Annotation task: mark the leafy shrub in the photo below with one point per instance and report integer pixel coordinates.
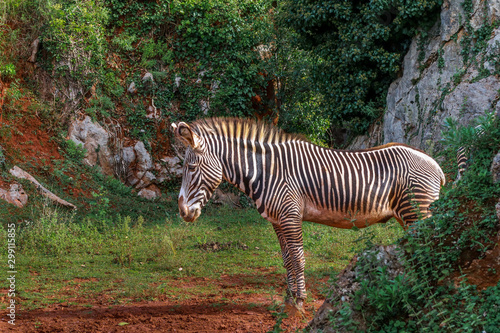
(8, 71)
(74, 37)
(356, 49)
(427, 296)
(205, 50)
(490, 308)
(76, 152)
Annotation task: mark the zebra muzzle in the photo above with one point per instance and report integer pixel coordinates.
(189, 214)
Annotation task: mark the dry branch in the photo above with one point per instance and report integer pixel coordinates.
(20, 173)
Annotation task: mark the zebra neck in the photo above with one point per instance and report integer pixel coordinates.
(242, 166)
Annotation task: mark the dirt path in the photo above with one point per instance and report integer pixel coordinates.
(233, 310)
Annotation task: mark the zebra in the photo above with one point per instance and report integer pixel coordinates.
(292, 180)
(462, 154)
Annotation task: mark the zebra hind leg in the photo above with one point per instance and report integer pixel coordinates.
(292, 301)
(287, 263)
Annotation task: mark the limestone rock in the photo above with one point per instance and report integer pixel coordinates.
(442, 84)
(495, 168)
(177, 83)
(131, 88)
(132, 163)
(148, 77)
(169, 169)
(497, 207)
(492, 52)
(15, 195)
(139, 165)
(94, 138)
(151, 192)
(493, 10)
(20, 173)
(469, 100)
(367, 141)
(451, 15)
(35, 46)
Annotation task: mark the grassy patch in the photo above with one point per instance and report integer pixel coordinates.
(66, 261)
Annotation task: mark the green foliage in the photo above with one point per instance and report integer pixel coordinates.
(151, 51)
(100, 206)
(8, 39)
(356, 49)
(141, 127)
(52, 234)
(206, 28)
(74, 36)
(425, 297)
(111, 85)
(74, 151)
(475, 40)
(124, 42)
(8, 71)
(13, 93)
(201, 53)
(303, 108)
(490, 308)
(101, 105)
(480, 150)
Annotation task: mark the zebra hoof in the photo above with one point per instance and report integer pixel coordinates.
(294, 308)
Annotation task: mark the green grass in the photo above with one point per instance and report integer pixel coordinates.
(62, 260)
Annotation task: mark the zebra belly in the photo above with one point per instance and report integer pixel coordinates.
(345, 220)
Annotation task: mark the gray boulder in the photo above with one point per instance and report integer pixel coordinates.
(94, 138)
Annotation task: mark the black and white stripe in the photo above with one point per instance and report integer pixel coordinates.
(462, 154)
(292, 180)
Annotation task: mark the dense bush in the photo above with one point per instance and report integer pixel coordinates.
(73, 39)
(428, 296)
(202, 54)
(356, 49)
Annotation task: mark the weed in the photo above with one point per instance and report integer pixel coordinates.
(8, 71)
(424, 297)
(2, 159)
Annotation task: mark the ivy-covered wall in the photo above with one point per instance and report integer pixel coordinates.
(355, 50)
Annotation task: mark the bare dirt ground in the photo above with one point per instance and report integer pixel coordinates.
(230, 308)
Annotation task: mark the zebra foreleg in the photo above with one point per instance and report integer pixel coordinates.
(287, 263)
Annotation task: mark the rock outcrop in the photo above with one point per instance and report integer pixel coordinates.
(348, 282)
(131, 162)
(495, 168)
(94, 138)
(451, 73)
(15, 195)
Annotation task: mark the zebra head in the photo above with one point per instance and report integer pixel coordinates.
(201, 173)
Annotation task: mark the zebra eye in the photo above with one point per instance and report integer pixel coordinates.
(191, 167)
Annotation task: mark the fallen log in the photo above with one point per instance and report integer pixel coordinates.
(20, 173)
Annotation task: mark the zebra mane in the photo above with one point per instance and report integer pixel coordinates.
(247, 129)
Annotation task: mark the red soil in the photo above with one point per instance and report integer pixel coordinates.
(231, 308)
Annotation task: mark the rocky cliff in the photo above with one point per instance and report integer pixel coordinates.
(450, 71)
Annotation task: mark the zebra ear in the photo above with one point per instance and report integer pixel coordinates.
(186, 135)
